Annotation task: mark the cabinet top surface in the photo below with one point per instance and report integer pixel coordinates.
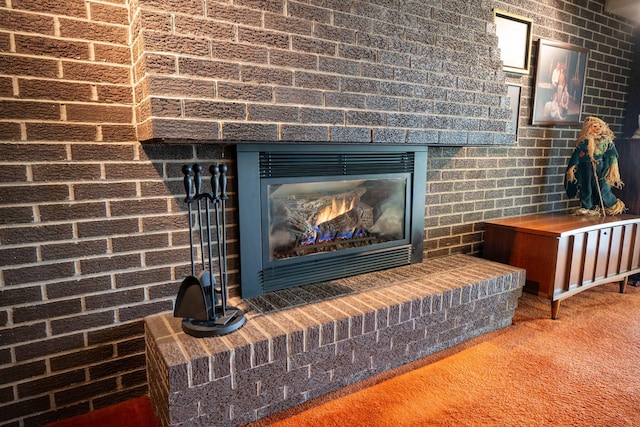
(558, 224)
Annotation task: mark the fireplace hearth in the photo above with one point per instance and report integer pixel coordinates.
(315, 212)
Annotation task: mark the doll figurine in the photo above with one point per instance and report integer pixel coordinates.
(593, 170)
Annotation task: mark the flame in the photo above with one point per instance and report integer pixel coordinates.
(336, 209)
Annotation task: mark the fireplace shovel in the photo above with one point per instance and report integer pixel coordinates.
(197, 300)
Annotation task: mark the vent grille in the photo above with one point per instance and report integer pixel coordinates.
(282, 277)
(282, 165)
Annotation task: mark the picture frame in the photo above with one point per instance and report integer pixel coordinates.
(514, 91)
(559, 84)
(514, 40)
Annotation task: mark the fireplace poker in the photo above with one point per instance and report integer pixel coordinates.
(197, 181)
(216, 181)
(188, 184)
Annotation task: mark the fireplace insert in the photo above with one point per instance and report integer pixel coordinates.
(315, 212)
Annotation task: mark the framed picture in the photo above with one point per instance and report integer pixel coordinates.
(514, 41)
(514, 90)
(559, 83)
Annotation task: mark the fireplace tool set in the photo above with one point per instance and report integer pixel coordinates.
(201, 302)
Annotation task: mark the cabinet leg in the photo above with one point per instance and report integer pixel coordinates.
(623, 284)
(555, 306)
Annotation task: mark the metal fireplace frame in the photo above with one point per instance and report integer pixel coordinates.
(258, 163)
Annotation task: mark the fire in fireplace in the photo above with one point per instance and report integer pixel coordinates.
(310, 213)
(328, 215)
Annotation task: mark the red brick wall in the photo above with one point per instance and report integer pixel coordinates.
(92, 228)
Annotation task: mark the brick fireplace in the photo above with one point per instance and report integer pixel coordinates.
(347, 330)
(389, 80)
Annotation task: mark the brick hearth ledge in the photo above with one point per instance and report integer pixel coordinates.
(284, 358)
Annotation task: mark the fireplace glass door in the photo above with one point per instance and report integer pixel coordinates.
(310, 217)
(310, 213)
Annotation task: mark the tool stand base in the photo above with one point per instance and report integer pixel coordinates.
(232, 320)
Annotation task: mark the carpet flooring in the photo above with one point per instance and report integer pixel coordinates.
(579, 370)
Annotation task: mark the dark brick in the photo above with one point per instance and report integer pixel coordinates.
(163, 223)
(287, 58)
(304, 133)
(18, 256)
(148, 275)
(38, 273)
(298, 96)
(45, 233)
(19, 334)
(82, 358)
(62, 212)
(60, 132)
(110, 263)
(139, 242)
(82, 322)
(107, 228)
(249, 132)
(78, 287)
(319, 115)
(101, 191)
(116, 333)
(208, 68)
(30, 66)
(24, 408)
(97, 73)
(119, 94)
(288, 24)
(78, 394)
(270, 113)
(46, 311)
(99, 32)
(265, 75)
(194, 25)
(10, 131)
(131, 346)
(98, 113)
(114, 367)
(309, 12)
(350, 134)
(49, 346)
(143, 310)
(167, 256)
(137, 207)
(215, 110)
(22, 371)
(31, 45)
(36, 193)
(6, 395)
(135, 378)
(16, 20)
(114, 299)
(162, 107)
(51, 383)
(32, 152)
(14, 296)
(113, 54)
(114, 14)
(256, 36)
(52, 90)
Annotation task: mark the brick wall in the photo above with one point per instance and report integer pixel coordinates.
(361, 71)
(92, 230)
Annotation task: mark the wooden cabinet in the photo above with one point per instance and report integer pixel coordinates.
(565, 254)
(629, 163)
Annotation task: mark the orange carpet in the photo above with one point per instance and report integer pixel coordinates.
(579, 370)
